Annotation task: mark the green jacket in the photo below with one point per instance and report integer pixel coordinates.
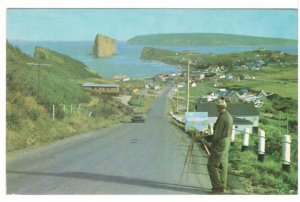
(223, 126)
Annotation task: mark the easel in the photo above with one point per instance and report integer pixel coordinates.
(189, 154)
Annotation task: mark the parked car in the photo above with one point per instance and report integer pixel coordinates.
(138, 117)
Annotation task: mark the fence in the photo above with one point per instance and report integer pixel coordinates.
(59, 111)
(286, 143)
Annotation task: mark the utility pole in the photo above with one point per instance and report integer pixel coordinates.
(188, 87)
(38, 84)
(177, 94)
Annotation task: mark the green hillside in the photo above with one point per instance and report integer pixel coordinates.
(32, 91)
(207, 39)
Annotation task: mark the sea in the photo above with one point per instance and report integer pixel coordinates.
(127, 62)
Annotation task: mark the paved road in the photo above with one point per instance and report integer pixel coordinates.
(129, 158)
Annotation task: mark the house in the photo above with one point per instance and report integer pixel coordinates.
(244, 91)
(181, 85)
(125, 79)
(157, 87)
(245, 114)
(135, 90)
(202, 76)
(241, 124)
(262, 95)
(229, 95)
(232, 96)
(103, 88)
(229, 76)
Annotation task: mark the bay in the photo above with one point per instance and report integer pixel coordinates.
(127, 61)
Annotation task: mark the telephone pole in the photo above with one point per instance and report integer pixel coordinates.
(38, 84)
(188, 87)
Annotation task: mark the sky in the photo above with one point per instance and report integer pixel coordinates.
(122, 24)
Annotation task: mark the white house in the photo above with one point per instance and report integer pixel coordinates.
(245, 114)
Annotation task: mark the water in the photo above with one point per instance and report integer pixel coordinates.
(127, 61)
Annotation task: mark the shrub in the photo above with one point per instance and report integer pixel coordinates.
(136, 101)
(33, 113)
(264, 121)
(13, 121)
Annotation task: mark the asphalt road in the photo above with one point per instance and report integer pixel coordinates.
(128, 158)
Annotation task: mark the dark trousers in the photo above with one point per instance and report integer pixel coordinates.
(218, 162)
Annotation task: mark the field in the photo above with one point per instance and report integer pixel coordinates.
(278, 116)
(274, 79)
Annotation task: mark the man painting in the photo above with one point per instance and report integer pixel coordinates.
(218, 160)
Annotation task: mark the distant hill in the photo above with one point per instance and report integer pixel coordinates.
(207, 39)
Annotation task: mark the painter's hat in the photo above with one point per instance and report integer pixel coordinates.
(221, 102)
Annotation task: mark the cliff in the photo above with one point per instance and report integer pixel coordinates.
(104, 46)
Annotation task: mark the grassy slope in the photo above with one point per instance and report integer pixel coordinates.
(207, 39)
(29, 119)
(282, 80)
(266, 177)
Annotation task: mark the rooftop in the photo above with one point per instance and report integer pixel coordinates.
(101, 85)
(235, 109)
(238, 121)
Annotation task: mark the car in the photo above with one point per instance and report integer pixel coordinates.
(138, 117)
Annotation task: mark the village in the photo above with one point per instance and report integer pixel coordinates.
(207, 84)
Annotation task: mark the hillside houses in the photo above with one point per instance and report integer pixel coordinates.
(245, 115)
(229, 95)
(243, 95)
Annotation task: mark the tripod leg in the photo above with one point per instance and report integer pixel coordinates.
(190, 157)
(185, 162)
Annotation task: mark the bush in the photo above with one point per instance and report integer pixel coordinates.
(33, 113)
(136, 101)
(264, 121)
(13, 121)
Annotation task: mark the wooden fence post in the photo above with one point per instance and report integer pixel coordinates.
(261, 145)
(78, 110)
(232, 136)
(53, 114)
(246, 139)
(286, 153)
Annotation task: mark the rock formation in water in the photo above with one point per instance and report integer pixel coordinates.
(104, 46)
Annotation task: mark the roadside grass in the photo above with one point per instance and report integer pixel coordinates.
(263, 177)
(141, 103)
(273, 79)
(29, 123)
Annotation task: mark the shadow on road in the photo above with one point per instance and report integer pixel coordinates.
(120, 180)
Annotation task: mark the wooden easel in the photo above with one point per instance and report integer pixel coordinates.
(189, 154)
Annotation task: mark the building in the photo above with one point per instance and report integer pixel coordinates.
(244, 114)
(103, 88)
(241, 124)
(232, 96)
(229, 95)
(229, 76)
